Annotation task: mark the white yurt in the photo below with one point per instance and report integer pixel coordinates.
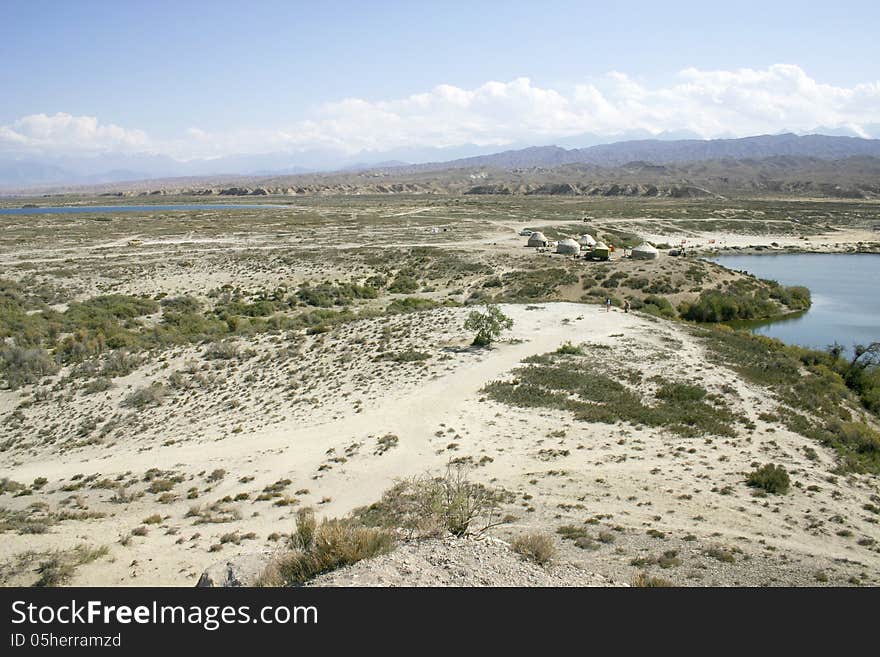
(537, 239)
(587, 241)
(568, 246)
(645, 251)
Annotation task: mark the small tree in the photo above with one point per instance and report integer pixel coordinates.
(488, 325)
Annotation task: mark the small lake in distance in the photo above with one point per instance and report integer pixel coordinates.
(845, 290)
(97, 209)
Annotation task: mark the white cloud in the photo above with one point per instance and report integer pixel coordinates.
(66, 133)
(708, 103)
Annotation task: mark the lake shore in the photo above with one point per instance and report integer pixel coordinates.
(844, 308)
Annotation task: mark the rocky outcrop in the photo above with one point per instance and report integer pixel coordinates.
(458, 562)
(243, 570)
(448, 561)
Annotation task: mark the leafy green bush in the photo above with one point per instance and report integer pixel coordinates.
(743, 300)
(716, 306)
(326, 294)
(795, 297)
(411, 304)
(489, 325)
(770, 478)
(183, 304)
(97, 311)
(857, 436)
(404, 284)
(657, 305)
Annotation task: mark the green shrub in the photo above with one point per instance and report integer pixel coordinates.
(857, 436)
(326, 294)
(739, 302)
(96, 312)
(770, 478)
(537, 284)
(584, 389)
(405, 356)
(411, 304)
(404, 284)
(657, 305)
(183, 304)
(488, 324)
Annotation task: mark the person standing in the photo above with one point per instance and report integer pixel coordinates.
(607, 304)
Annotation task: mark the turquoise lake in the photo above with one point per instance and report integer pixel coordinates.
(845, 290)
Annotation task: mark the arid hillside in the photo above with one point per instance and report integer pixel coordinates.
(178, 387)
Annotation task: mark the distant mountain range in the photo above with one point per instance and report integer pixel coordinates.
(110, 169)
(657, 151)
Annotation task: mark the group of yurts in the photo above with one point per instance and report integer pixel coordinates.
(589, 247)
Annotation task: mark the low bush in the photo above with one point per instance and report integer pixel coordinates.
(568, 349)
(535, 547)
(411, 304)
(431, 506)
(20, 366)
(151, 395)
(325, 547)
(770, 478)
(404, 284)
(741, 302)
(584, 389)
(61, 566)
(644, 580)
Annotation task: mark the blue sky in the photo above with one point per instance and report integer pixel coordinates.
(210, 78)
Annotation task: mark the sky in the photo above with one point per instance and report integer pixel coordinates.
(205, 79)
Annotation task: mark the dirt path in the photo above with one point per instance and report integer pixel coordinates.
(286, 448)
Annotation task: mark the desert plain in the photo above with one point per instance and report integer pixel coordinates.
(213, 372)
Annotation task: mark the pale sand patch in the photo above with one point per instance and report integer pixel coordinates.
(634, 478)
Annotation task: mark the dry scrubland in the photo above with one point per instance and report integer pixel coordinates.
(179, 386)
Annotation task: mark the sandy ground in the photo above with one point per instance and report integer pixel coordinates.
(220, 467)
(325, 443)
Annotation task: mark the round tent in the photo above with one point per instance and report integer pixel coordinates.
(645, 252)
(537, 239)
(587, 241)
(568, 246)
